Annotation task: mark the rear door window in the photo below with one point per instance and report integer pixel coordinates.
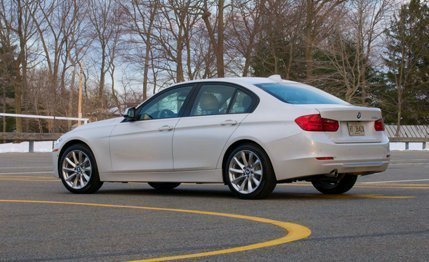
(213, 99)
(242, 103)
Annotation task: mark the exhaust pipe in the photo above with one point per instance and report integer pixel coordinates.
(333, 173)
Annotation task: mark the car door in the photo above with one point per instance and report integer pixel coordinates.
(199, 138)
(146, 144)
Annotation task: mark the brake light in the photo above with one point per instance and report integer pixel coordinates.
(379, 125)
(317, 123)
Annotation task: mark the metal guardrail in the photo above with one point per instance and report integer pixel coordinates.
(84, 120)
(409, 134)
(19, 137)
(32, 137)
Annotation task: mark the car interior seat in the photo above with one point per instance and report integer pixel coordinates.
(209, 104)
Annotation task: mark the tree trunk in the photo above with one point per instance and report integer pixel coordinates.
(146, 67)
(399, 113)
(309, 39)
(70, 104)
(179, 55)
(220, 34)
(102, 78)
(4, 109)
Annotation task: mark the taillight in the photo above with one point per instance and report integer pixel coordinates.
(317, 123)
(379, 125)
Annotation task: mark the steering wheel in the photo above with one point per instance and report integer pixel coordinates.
(166, 113)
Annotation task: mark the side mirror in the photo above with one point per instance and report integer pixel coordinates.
(130, 114)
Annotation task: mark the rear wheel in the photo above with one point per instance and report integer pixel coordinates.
(78, 170)
(341, 185)
(248, 172)
(163, 186)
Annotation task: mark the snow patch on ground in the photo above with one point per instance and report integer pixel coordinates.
(23, 147)
(399, 146)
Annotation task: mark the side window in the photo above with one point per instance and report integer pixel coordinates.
(242, 103)
(213, 99)
(167, 105)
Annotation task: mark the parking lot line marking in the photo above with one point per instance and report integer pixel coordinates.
(347, 196)
(28, 167)
(393, 187)
(294, 231)
(360, 185)
(15, 176)
(388, 197)
(25, 173)
(395, 181)
(28, 180)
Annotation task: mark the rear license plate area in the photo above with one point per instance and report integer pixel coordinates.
(356, 129)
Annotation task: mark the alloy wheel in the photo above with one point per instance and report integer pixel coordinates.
(245, 171)
(77, 169)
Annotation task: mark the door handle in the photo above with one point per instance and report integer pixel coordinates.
(229, 122)
(165, 128)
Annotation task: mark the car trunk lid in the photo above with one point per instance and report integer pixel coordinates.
(356, 124)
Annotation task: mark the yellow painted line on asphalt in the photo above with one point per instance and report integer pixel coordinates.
(388, 197)
(28, 180)
(395, 181)
(392, 186)
(397, 184)
(377, 186)
(15, 178)
(28, 167)
(293, 231)
(24, 173)
(345, 196)
(4, 176)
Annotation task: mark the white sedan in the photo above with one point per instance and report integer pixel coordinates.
(248, 133)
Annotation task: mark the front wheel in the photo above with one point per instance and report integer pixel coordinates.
(78, 170)
(248, 172)
(342, 185)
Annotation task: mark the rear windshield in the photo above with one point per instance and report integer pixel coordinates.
(299, 94)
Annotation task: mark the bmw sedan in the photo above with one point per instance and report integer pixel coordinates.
(248, 133)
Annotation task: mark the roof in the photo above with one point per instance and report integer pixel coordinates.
(238, 80)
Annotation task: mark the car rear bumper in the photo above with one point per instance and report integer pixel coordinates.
(299, 158)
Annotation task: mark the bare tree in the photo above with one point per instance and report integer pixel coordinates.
(141, 16)
(245, 21)
(105, 17)
(353, 43)
(215, 29)
(317, 14)
(16, 23)
(55, 21)
(179, 17)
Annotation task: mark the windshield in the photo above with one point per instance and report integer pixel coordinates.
(295, 93)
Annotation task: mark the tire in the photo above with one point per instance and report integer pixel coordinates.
(163, 186)
(78, 170)
(248, 172)
(344, 184)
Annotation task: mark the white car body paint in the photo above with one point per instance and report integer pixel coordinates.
(192, 148)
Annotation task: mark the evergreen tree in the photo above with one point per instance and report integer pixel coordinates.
(407, 60)
(7, 78)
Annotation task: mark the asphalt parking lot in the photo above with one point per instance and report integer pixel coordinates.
(384, 218)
